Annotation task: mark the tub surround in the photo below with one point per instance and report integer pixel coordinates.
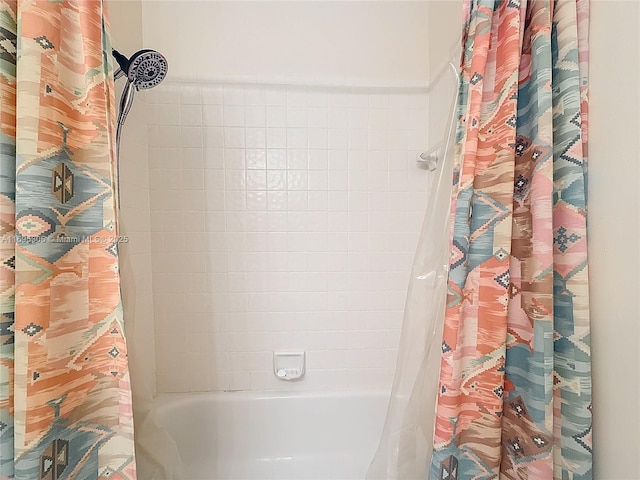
(283, 218)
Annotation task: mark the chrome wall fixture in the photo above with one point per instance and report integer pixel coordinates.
(145, 69)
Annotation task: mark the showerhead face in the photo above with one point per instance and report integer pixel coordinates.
(147, 68)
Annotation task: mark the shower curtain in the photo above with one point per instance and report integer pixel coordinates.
(513, 398)
(65, 401)
(515, 381)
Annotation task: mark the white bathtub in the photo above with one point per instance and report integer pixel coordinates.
(274, 435)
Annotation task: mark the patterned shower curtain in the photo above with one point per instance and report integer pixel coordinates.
(65, 402)
(515, 385)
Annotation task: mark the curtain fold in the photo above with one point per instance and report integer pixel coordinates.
(65, 398)
(514, 396)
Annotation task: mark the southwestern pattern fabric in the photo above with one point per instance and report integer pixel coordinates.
(515, 380)
(65, 401)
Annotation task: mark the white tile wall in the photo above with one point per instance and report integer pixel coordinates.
(283, 218)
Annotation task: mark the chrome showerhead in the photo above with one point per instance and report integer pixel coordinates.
(145, 69)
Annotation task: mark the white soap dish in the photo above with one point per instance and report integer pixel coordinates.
(289, 365)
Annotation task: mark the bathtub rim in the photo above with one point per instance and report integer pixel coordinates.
(164, 399)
